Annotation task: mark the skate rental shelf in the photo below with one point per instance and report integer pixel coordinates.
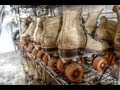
(65, 45)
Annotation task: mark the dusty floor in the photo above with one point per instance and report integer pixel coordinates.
(11, 71)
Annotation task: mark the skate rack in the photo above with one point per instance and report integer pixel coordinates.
(53, 74)
(89, 78)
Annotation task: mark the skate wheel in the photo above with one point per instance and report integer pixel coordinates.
(100, 64)
(110, 56)
(52, 63)
(114, 59)
(60, 66)
(34, 52)
(30, 48)
(74, 72)
(40, 55)
(23, 42)
(46, 58)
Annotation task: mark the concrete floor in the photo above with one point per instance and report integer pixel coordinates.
(11, 70)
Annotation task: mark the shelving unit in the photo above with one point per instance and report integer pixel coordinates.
(92, 77)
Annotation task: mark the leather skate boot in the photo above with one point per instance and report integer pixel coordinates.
(36, 36)
(91, 23)
(106, 30)
(25, 24)
(31, 28)
(52, 27)
(72, 37)
(116, 9)
(38, 32)
(96, 46)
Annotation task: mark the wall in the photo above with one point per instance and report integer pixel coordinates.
(6, 44)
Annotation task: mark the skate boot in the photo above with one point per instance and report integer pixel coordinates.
(106, 30)
(91, 23)
(116, 9)
(72, 37)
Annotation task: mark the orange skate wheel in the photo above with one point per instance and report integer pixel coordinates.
(110, 56)
(46, 58)
(100, 64)
(60, 66)
(74, 72)
(34, 52)
(40, 55)
(23, 42)
(30, 48)
(114, 59)
(52, 63)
